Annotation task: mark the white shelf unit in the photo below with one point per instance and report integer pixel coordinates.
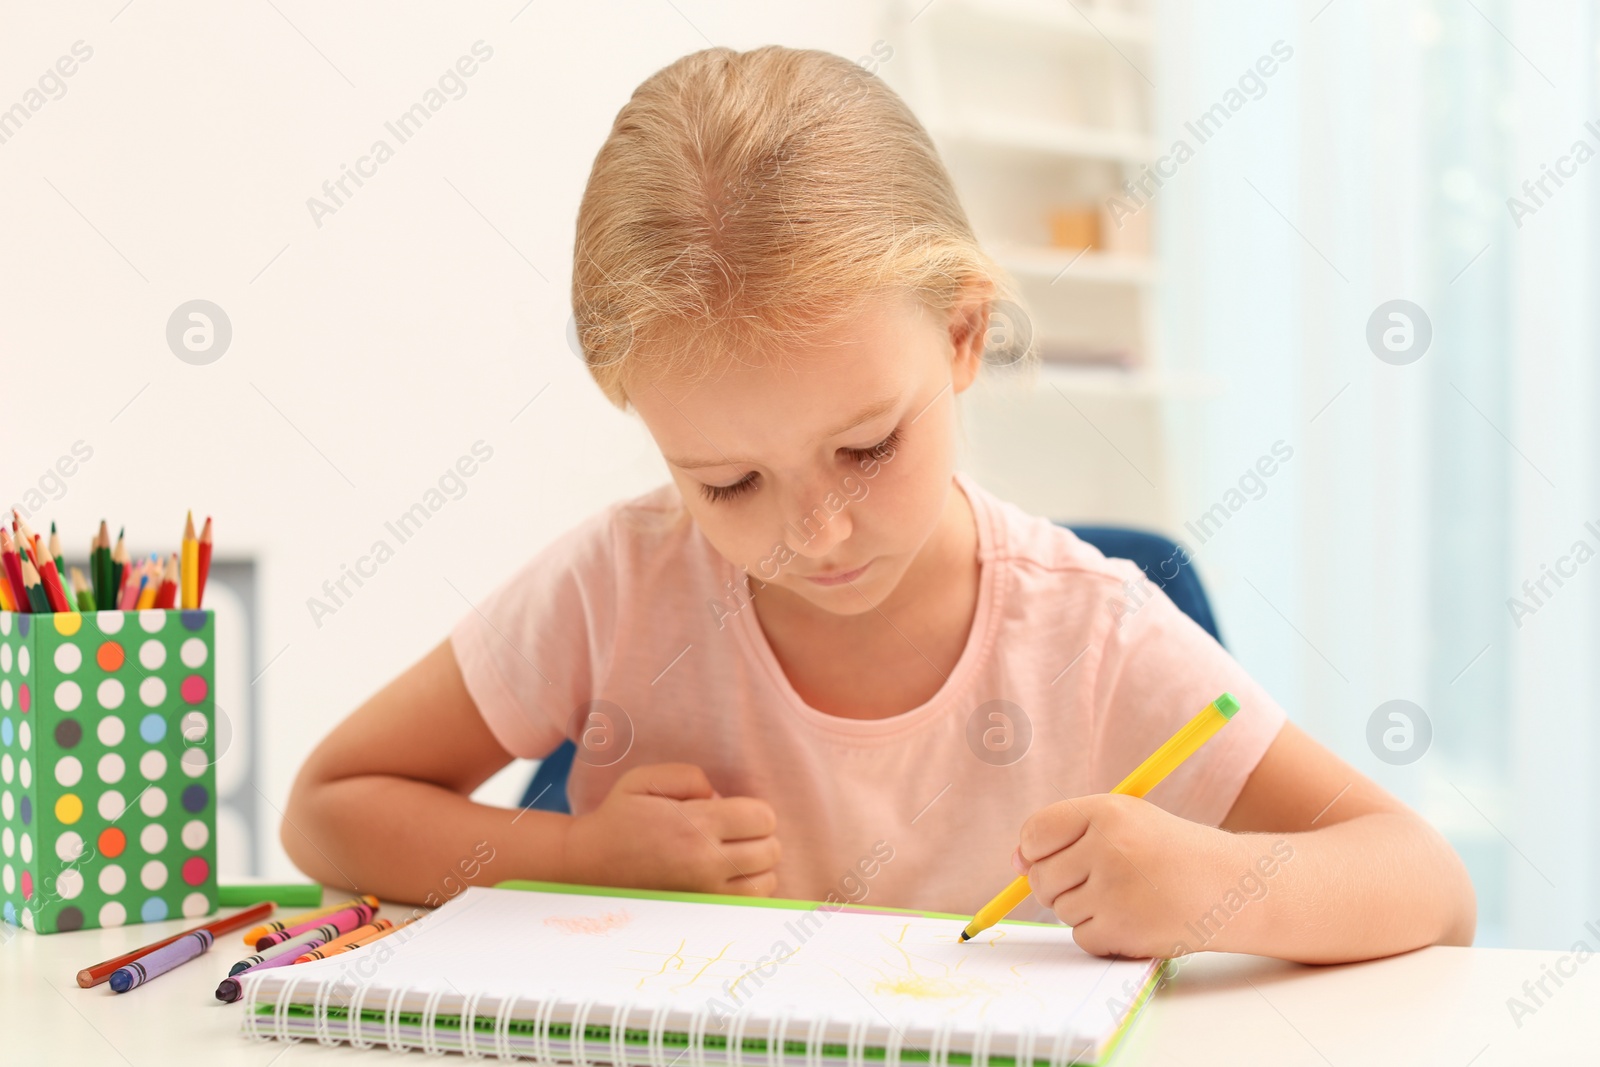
(1039, 106)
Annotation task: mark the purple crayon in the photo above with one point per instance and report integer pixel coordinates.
(231, 989)
(160, 961)
(294, 946)
(348, 919)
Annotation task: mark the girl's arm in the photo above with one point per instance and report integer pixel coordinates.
(1314, 863)
(383, 805)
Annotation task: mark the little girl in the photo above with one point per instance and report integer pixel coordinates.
(821, 663)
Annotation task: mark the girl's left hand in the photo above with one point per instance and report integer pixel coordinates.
(1130, 878)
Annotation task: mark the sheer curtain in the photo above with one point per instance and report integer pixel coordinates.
(1386, 558)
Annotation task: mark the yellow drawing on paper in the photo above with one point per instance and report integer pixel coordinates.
(905, 971)
(680, 969)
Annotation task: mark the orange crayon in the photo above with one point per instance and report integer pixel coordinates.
(361, 935)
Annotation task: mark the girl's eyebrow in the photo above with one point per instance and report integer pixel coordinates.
(866, 414)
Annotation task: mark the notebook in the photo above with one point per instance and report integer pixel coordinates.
(585, 975)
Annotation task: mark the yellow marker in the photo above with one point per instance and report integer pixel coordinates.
(1145, 777)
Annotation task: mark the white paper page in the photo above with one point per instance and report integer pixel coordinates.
(765, 964)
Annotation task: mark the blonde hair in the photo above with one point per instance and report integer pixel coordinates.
(744, 199)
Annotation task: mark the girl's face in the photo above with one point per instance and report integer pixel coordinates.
(826, 474)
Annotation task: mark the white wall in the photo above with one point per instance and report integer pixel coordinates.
(369, 352)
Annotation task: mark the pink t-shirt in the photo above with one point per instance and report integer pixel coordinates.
(1093, 668)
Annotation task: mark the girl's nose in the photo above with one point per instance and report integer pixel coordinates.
(817, 521)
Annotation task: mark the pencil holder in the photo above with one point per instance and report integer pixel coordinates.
(108, 794)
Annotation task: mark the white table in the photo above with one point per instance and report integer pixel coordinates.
(1439, 1006)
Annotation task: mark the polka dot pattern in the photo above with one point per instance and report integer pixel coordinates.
(107, 768)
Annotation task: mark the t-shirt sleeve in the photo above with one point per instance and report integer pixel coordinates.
(1158, 669)
(537, 648)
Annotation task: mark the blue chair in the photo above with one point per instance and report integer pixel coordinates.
(1167, 566)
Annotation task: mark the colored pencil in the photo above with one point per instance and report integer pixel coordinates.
(256, 933)
(49, 577)
(100, 972)
(13, 568)
(190, 576)
(372, 931)
(100, 567)
(152, 585)
(167, 595)
(81, 593)
(24, 532)
(119, 562)
(55, 553)
(204, 570)
(37, 600)
(128, 592)
(35, 579)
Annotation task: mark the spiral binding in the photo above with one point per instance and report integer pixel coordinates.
(502, 1043)
(469, 1028)
(502, 1028)
(319, 1012)
(580, 1021)
(697, 1035)
(430, 1025)
(618, 1037)
(357, 1038)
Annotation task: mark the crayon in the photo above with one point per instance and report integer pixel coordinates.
(100, 972)
(231, 988)
(157, 963)
(295, 946)
(345, 920)
(354, 939)
(256, 933)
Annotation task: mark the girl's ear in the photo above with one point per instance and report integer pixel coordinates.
(969, 333)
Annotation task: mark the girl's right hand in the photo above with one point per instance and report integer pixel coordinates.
(662, 826)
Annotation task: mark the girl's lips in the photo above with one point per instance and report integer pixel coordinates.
(840, 579)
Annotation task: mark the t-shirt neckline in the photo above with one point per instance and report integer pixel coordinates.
(973, 653)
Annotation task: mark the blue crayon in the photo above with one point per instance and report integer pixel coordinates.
(160, 961)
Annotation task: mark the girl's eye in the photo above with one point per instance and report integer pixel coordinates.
(720, 493)
(883, 451)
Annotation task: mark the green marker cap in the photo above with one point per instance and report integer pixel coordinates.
(1227, 705)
